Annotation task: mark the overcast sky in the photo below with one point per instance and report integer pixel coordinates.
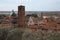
(31, 5)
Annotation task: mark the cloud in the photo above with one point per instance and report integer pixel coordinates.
(17, 0)
(7, 7)
(52, 0)
(30, 4)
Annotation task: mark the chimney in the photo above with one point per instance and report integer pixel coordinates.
(21, 16)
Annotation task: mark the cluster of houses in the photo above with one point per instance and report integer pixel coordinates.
(35, 21)
(47, 22)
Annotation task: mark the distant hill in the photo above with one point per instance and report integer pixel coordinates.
(33, 12)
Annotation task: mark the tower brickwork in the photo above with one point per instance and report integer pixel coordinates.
(21, 16)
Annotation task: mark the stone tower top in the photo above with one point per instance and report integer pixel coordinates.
(21, 16)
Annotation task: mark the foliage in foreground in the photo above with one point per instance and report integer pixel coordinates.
(21, 34)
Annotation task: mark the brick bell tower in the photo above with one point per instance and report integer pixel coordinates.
(21, 16)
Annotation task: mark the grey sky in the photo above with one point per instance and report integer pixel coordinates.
(31, 5)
